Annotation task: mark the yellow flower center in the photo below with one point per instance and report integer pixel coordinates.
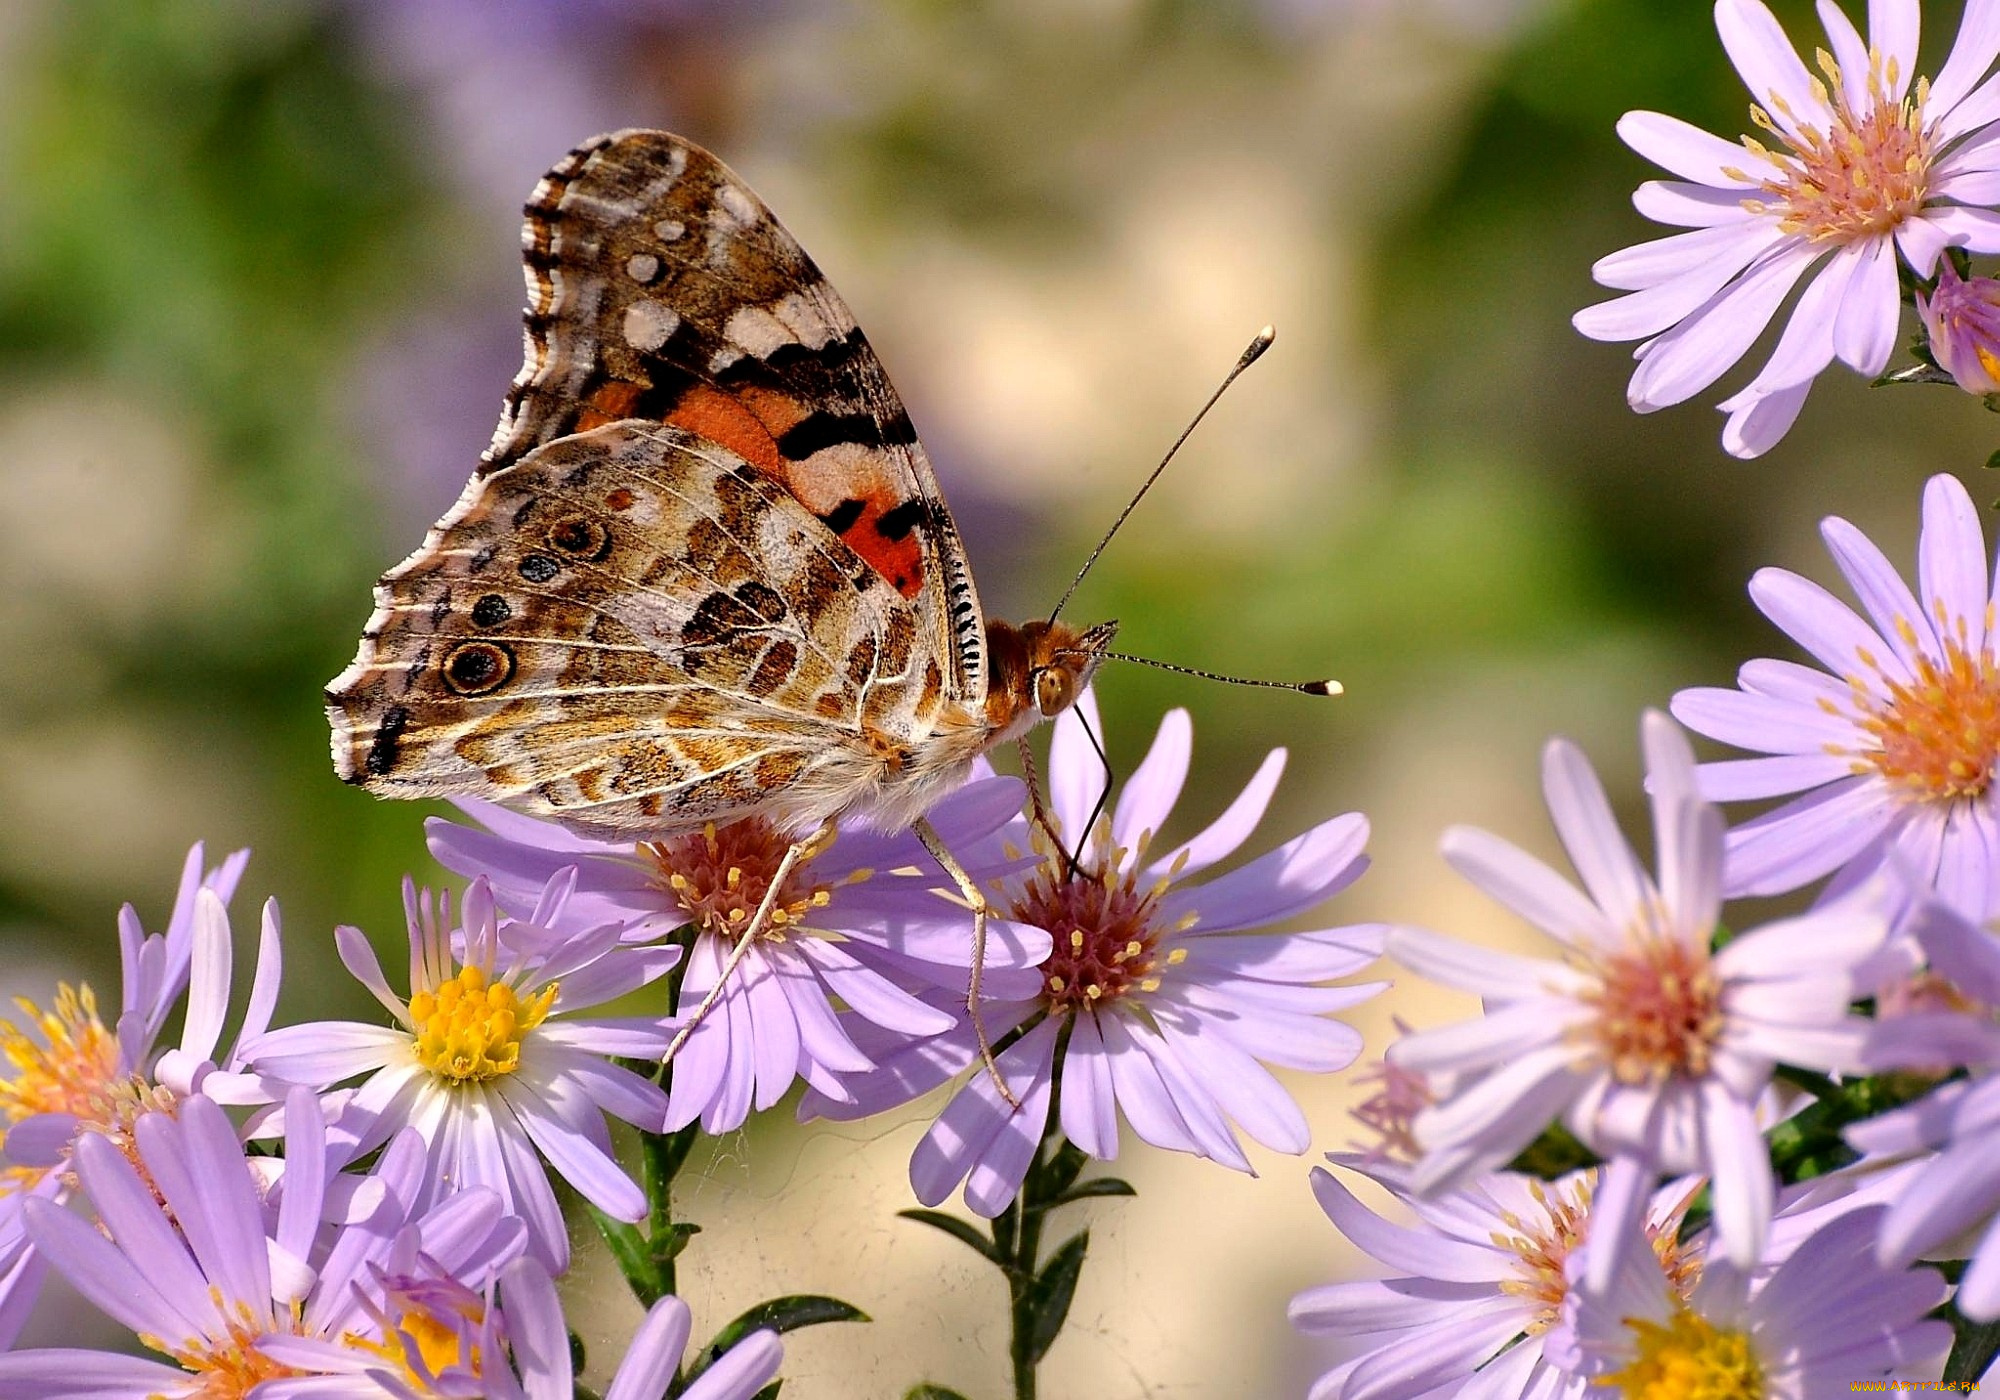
(1659, 1009)
(721, 873)
(439, 1343)
(1937, 736)
(1105, 930)
(1862, 176)
(73, 1068)
(1688, 1359)
(470, 1029)
(230, 1366)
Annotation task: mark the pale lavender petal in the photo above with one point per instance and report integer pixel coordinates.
(869, 995)
(1971, 55)
(1241, 1087)
(1145, 1099)
(1975, 230)
(1749, 779)
(537, 1333)
(597, 1177)
(1287, 957)
(1689, 205)
(1436, 1361)
(1221, 837)
(325, 1052)
(1489, 1122)
(1421, 1253)
(143, 1300)
(1685, 149)
(1482, 1042)
(1921, 241)
(1525, 885)
(208, 980)
(1850, 52)
(742, 1372)
(1694, 354)
(654, 1354)
(1149, 794)
(1089, 1103)
(976, 1118)
(820, 1034)
(995, 1178)
(1305, 871)
(777, 1047)
(1893, 27)
(1769, 65)
(1589, 832)
(1899, 619)
(1741, 1179)
(1758, 419)
(1315, 1044)
(1951, 563)
(1763, 723)
(1663, 259)
(1823, 625)
(1471, 967)
(357, 955)
(1076, 774)
(1654, 309)
(66, 1374)
(1864, 331)
(1806, 838)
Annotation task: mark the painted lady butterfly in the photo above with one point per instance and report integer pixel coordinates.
(704, 570)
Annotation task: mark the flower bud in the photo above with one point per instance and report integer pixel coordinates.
(1963, 319)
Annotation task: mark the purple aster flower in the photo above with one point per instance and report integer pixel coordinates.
(1653, 1048)
(76, 1074)
(488, 1059)
(1163, 1006)
(226, 1271)
(859, 924)
(1866, 160)
(1953, 1191)
(1893, 746)
(1962, 319)
(1828, 1317)
(1485, 1280)
(539, 1340)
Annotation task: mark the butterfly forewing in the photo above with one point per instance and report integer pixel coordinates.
(632, 628)
(661, 288)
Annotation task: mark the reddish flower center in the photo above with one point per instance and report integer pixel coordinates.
(1659, 1010)
(720, 875)
(1862, 176)
(73, 1068)
(1938, 734)
(1104, 929)
(1543, 1247)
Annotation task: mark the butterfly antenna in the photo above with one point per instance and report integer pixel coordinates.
(1327, 687)
(1075, 858)
(1258, 346)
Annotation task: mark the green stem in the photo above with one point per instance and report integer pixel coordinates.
(1021, 1272)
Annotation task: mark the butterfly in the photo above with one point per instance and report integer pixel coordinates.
(704, 570)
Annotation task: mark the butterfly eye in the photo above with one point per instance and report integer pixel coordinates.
(474, 668)
(1053, 690)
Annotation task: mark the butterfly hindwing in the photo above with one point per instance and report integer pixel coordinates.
(661, 288)
(631, 628)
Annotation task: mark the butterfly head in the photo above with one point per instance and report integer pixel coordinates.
(1038, 670)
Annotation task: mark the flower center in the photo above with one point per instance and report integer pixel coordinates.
(72, 1069)
(721, 874)
(1689, 1358)
(230, 1366)
(1391, 1111)
(1659, 1010)
(470, 1029)
(1103, 927)
(1544, 1245)
(1861, 177)
(1937, 736)
(430, 1329)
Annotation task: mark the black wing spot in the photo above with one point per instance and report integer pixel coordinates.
(491, 611)
(581, 536)
(474, 668)
(382, 752)
(539, 568)
(842, 517)
(896, 524)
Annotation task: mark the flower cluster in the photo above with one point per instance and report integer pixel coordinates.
(1712, 1072)
(369, 1207)
(1861, 158)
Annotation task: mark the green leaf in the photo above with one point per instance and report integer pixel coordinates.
(634, 1254)
(780, 1315)
(1096, 1186)
(769, 1392)
(1555, 1153)
(1972, 1350)
(1919, 373)
(1054, 1290)
(1058, 1174)
(1993, 462)
(962, 1231)
(927, 1391)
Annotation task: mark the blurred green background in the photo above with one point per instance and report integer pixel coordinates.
(259, 297)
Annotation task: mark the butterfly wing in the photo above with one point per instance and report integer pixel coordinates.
(660, 287)
(633, 629)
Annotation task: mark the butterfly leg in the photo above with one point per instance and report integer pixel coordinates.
(981, 908)
(798, 851)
